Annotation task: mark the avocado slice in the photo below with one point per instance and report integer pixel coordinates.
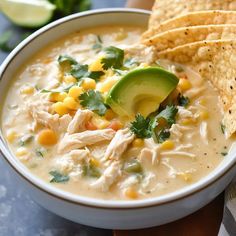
(141, 91)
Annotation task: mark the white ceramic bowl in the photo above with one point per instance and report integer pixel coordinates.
(95, 212)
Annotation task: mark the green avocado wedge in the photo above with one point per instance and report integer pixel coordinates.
(141, 91)
(28, 13)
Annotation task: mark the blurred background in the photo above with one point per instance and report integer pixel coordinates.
(19, 215)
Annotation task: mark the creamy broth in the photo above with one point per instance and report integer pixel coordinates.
(195, 147)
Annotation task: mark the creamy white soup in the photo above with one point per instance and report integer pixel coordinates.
(96, 114)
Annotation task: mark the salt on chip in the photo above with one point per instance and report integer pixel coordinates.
(193, 19)
(185, 35)
(166, 9)
(215, 61)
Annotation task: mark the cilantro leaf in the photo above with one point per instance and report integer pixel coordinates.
(66, 59)
(26, 139)
(167, 115)
(114, 58)
(129, 62)
(79, 71)
(94, 101)
(95, 75)
(183, 101)
(98, 45)
(58, 177)
(162, 122)
(141, 127)
(222, 127)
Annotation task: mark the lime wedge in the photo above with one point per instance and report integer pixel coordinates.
(28, 13)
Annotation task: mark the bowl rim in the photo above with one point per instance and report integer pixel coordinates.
(83, 200)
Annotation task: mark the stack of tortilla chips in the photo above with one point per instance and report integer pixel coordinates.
(200, 34)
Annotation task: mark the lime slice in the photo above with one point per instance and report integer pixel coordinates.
(28, 13)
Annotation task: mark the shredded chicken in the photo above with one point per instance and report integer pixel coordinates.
(108, 177)
(204, 132)
(184, 113)
(129, 181)
(69, 162)
(78, 122)
(142, 53)
(79, 140)
(118, 144)
(178, 153)
(149, 154)
(177, 130)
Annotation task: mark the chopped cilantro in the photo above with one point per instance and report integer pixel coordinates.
(141, 127)
(79, 71)
(224, 153)
(58, 177)
(89, 170)
(98, 45)
(66, 59)
(66, 89)
(222, 127)
(40, 152)
(183, 101)
(162, 122)
(26, 139)
(95, 75)
(94, 101)
(167, 115)
(84, 5)
(129, 62)
(114, 58)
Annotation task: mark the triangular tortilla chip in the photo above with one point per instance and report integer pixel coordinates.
(180, 36)
(166, 9)
(215, 61)
(193, 19)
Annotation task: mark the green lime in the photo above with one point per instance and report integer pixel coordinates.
(28, 13)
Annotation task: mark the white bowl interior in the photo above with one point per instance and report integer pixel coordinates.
(57, 30)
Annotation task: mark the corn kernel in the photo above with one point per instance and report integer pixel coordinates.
(184, 84)
(202, 102)
(27, 90)
(203, 115)
(109, 115)
(75, 92)
(11, 136)
(94, 162)
(57, 97)
(168, 144)
(69, 79)
(100, 122)
(131, 193)
(97, 65)
(60, 108)
(186, 176)
(47, 137)
(70, 103)
(121, 35)
(106, 85)
(138, 142)
(22, 151)
(89, 84)
(188, 121)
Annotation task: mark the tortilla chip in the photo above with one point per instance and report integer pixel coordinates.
(180, 36)
(193, 19)
(166, 9)
(216, 61)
